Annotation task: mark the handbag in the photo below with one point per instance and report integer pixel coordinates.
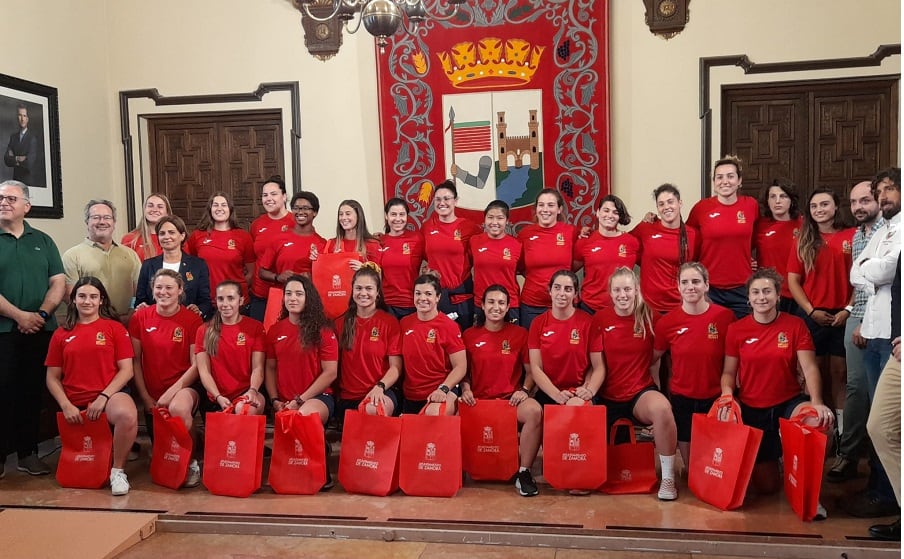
(574, 446)
(332, 277)
(430, 454)
(86, 454)
(489, 440)
(722, 456)
(803, 452)
(233, 451)
(171, 453)
(369, 460)
(632, 465)
(298, 463)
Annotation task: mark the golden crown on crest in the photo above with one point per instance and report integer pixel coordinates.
(492, 62)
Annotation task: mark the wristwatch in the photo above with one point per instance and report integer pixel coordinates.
(849, 309)
(43, 314)
(443, 388)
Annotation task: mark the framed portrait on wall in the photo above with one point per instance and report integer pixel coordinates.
(30, 139)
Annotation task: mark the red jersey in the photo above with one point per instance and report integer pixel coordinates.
(226, 253)
(600, 256)
(726, 238)
(231, 367)
(266, 231)
(774, 240)
(401, 263)
(376, 338)
(546, 251)
(292, 253)
(426, 347)
(767, 355)
(372, 249)
(88, 355)
(565, 347)
(165, 345)
(446, 250)
(827, 285)
(628, 353)
(659, 262)
(697, 343)
(133, 240)
(297, 367)
(496, 360)
(495, 261)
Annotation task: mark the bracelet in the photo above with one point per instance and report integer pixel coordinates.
(525, 390)
(811, 312)
(104, 395)
(382, 385)
(299, 400)
(216, 398)
(253, 389)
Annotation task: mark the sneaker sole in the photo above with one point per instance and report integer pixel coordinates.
(31, 473)
(120, 493)
(525, 493)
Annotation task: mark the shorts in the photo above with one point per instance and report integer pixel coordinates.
(624, 410)
(544, 400)
(344, 405)
(828, 340)
(684, 408)
(401, 312)
(766, 419)
(415, 406)
(529, 313)
(733, 298)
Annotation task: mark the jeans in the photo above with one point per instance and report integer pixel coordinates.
(874, 358)
(856, 405)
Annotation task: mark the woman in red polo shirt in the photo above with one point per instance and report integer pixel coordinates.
(89, 362)
(143, 239)
(291, 253)
(403, 252)
(496, 255)
(353, 236)
(776, 232)
(266, 230)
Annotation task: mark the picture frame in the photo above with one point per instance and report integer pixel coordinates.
(32, 157)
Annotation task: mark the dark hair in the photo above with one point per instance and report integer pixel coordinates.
(497, 205)
(729, 159)
(765, 273)
(313, 319)
(105, 310)
(810, 241)
(567, 273)
(308, 196)
(429, 279)
(277, 180)
(175, 220)
(482, 317)
(624, 217)
(215, 326)
(892, 173)
(560, 201)
(683, 248)
(448, 184)
(347, 340)
(392, 202)
(206, 222)
(789, 188)
(362, 234)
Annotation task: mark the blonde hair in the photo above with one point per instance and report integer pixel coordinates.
(643, 316)
(145, 230)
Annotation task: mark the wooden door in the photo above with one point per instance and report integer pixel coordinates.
(826, 133)
(194, 155)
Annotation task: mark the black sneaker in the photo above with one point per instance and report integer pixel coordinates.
(33, 465)
(525, 484)
(329, 482)
(870, 504)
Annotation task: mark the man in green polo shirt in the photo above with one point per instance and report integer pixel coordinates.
(32, 283)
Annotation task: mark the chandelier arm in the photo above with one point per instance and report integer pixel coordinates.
(307, 10)
(349, 29)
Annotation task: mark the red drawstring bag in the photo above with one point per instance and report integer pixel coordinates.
(172, 450)
(274, 307)
(298, 463)
(369, 461)
(430, 454)
(803, 451)
(332, 277)
(233, 451)
(722, 456)
(574, 446)
(87, 452)
(632, 465)
(489, 439)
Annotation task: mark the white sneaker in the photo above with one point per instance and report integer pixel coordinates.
(194, 475)
(668, 491)
(119, 483)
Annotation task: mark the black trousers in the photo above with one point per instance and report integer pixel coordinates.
(22, 385)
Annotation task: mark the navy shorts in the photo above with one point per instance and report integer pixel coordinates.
(766, 419)
(684, 408)
(828, 340)
(624, 410)
(344, 405)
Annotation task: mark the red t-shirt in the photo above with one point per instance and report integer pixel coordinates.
(266, 231)
(401, 263)
(372, 249)
(165, 345)
(297, 367)
(628, 354)
(600, 256)
(659, 262)
(726, 238)
(226, 253)
(774, 240)
(565, 347)
(133, 240)
(292, 253)
(496, 360)
(546, 251)
(446, 250)
(376, 338)
(827, 285)
(426, 347)
(697, 343)
(495, 262)
(767, 355)
(88, 355)
(231, 367)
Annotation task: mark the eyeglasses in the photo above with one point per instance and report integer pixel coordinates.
(299, 209)
(11, 199)
(444, 198)
(101, 218)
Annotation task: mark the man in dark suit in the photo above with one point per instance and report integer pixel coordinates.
(22, 150)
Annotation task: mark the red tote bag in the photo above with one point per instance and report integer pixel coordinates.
(233, 452)
(489, 440)
(87, 452)
(722, 456)
(803, 451)
(631, 465)
(430, 454)
(332, 277)
(274, 307)
(298, 463)
(574, 446)
(172, 450)
(369, 461)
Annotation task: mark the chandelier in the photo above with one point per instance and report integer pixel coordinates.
(323, 20)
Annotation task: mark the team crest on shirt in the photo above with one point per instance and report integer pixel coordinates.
(560, 240)
(795, 233)
(374, 334)
(846, 247)
(575, 336)
(457, 235)
(506, 347)
(741, 217)
(188, 276)
(240, 339)
(230, 244)
(178, 335)
(622, 251)
(431, 336)
(712, 332)
(506, 254)
(284, 228)
(782, 340)
(100, 339)
(638, 331)
(406, 248)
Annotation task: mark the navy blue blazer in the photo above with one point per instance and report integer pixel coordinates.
(194, 273)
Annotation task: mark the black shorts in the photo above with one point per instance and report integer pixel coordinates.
(684, 408)
(344, 405)
(828, 340)
(624, 410)
(766, 419)
(544, 400)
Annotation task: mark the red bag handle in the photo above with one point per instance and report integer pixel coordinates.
(182, 433)
(238, 401)
(623, 423)
(381, 408)
(442, 408)
(726, 401)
